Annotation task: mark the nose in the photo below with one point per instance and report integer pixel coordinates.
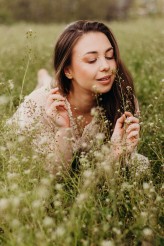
(104, 65)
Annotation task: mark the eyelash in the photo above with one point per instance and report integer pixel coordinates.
(108, 58)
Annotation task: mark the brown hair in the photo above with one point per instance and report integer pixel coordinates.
(121, 95)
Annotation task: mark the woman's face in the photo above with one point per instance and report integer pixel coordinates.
(93, 65)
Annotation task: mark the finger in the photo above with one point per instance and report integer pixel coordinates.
(57, 97)
(132, 127)
(53, 91)
(128, 114)
(131, 119)
(120, 122)
(54, 97)
(133, 134)
(57, 104)
(54, 107)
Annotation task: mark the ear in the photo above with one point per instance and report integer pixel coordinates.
(68, 72)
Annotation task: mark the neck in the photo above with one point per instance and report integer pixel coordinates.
(81, 103)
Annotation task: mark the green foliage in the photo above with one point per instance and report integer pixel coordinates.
(49, 11)
(101, 204)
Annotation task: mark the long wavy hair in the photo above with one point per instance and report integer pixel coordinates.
(121, 95)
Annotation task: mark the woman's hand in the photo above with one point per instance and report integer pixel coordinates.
(56, 109)
(126, 134)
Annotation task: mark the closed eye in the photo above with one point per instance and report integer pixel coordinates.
(109, 57)
(92, 61)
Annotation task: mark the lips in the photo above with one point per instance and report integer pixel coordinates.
(105, 78)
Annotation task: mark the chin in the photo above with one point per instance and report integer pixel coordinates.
(102, 90)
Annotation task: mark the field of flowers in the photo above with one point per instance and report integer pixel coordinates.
(99, 204)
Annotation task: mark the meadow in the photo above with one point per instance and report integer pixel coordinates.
(98, 205)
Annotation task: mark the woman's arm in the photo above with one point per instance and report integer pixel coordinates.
(43, 116)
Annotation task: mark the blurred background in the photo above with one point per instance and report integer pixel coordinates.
(47, 11)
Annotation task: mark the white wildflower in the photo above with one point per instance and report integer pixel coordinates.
(42, 192)
(94, 112)
(11, 84)
(60, 231)
(100, 136)
(4, 99)
(45, 181)
(4, 203)
(107, 243)
(57, 203)
(15, 223)
(36, 204)
(48, 221)
(146, 186)
(58, 187)
(15, 201)
(84, 145)
(21, 139)
(117, 231)
(11, 176)
(147, 232)
(81, 198)
(28, 171)
(87, 174)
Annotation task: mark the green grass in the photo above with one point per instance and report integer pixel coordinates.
(92, 207)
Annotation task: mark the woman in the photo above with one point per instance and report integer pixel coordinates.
(92, 86)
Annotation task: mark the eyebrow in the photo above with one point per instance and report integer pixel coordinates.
(95, 52)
